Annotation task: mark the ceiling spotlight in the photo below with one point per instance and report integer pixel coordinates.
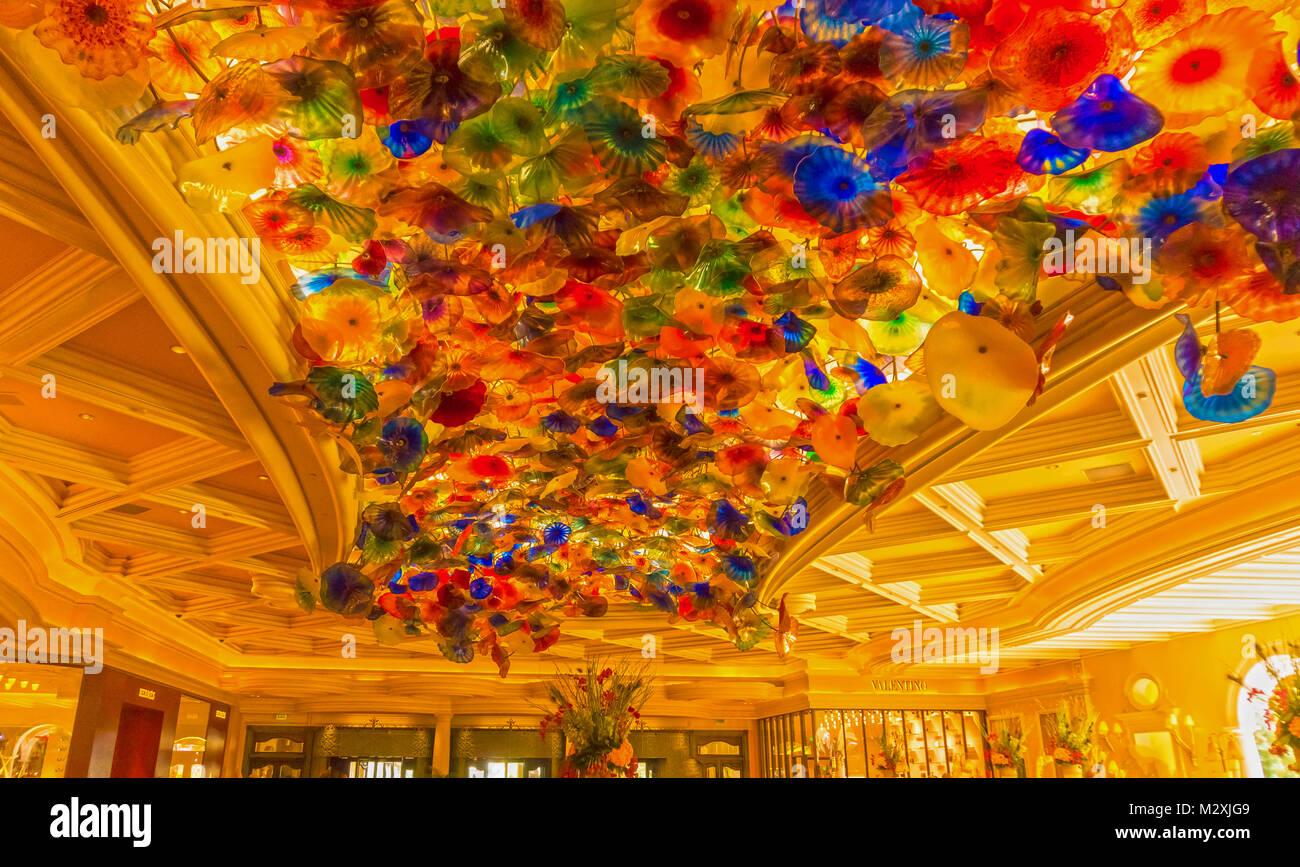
(178, 349)
(85, 416)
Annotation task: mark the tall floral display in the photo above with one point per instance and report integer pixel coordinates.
(1006, 754)
(1282, 702)
(604, 301)
(595, 707)
(1070, 744)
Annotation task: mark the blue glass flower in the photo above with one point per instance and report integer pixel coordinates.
(458, 653)
(728, 522)
(836, 189)
(1161, 217)
(1106, 117)
(480, 588)
(869, 375)
(912, 123)
(525, 217)
(620, 411)
(926, 50)
(407, 139)
(602, 427)
(403, 442)
(1249, 397)
(738, 568)
(309, 284)
(712, 145)
(817, 378)
(561, 422)
(422, 581)
(690, 421)
(1042, 153)
(556, 533)
(794, 332)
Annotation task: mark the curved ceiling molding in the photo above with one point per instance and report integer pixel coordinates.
(237, 334)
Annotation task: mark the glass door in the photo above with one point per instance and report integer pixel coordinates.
(508, 769)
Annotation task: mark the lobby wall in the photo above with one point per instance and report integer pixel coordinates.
(1192, 672)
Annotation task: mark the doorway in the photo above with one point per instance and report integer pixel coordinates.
(139, 731)
(720, 756)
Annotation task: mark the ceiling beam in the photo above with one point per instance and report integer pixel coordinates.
(856, 569)
(959, 504)
(1144, 389)
(66, 295)
(1120, 496)
(163, 468)
(30, 196)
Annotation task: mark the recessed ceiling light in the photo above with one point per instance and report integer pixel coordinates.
(178, 349)
(264, 477)
(1109, 471)
(85, 416)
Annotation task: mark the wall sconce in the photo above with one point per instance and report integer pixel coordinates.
(1184, 735)
(1106, 731)
(1114, 747)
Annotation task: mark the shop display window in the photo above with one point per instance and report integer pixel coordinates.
(869, 743)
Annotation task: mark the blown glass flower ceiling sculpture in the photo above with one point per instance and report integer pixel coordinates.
(593, 292)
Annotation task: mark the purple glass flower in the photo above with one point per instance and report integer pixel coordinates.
(1264, 195)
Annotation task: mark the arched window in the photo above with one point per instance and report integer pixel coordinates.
(1252, 704)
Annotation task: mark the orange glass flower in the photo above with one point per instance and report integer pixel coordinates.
(1200, 262)
(101, 38)
(177, 51)
(1157, 20)
(1055, 55)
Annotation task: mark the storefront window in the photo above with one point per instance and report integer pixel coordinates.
(869, 743)
(191, 741)
(38, 704)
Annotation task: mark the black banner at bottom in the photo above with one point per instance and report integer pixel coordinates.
(645, 817)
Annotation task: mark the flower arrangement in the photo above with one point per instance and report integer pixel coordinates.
(1071, 744)
(1282, 705)
(1006, 750)
(595, 707)
(890, 756)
